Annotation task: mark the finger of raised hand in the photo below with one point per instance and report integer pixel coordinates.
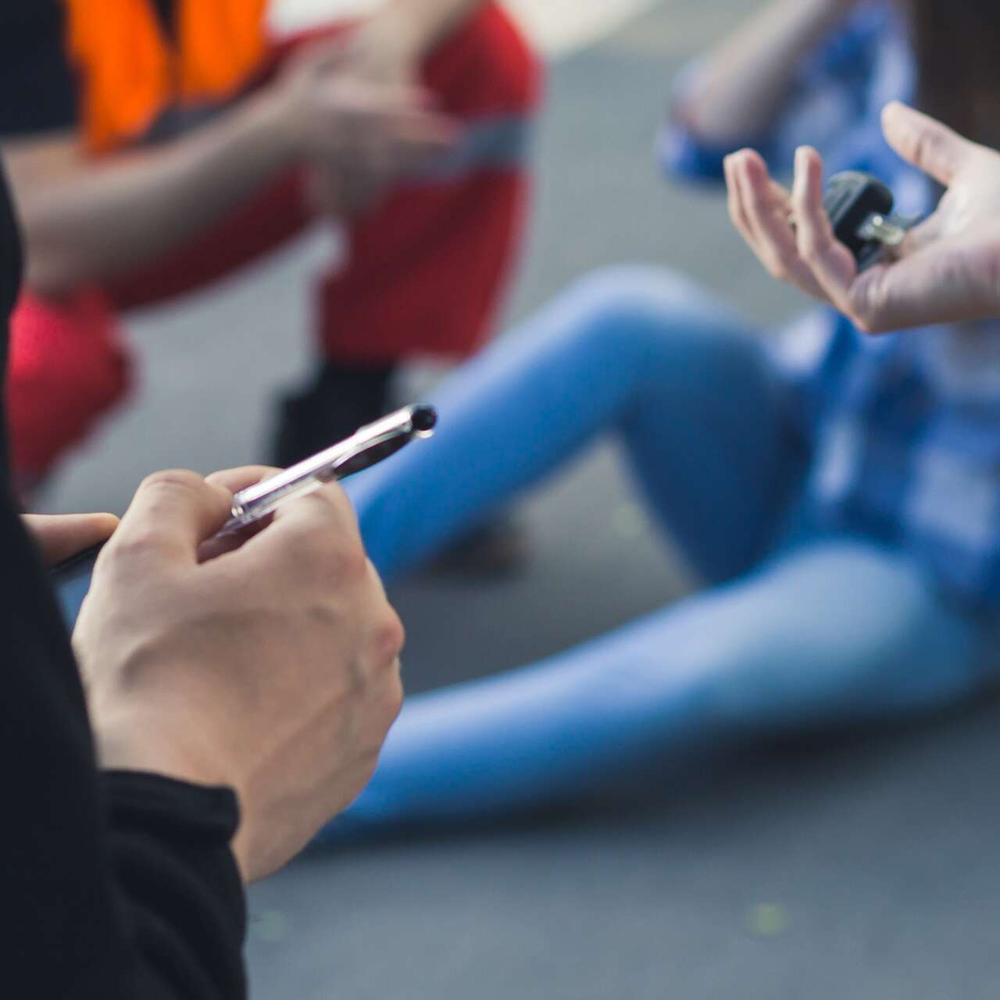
(737, 212)
(830, 262)
(925, 142)
(768, 207)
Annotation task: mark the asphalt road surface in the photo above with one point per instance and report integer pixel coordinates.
(862, 867)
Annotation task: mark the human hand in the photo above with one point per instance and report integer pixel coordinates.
(948, 268)
(61, 536)
(271, 668)
(385, 48)
(361, 124)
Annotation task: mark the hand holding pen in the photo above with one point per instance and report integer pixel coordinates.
(252, 505)
(371, 444)
(271, 670)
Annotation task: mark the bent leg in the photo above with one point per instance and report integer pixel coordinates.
(635, 351)
(427, 268)
(840, 632)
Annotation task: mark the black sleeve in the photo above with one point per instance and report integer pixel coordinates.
(179, 885)
(37, 88)
(125, 885)
(121, 887)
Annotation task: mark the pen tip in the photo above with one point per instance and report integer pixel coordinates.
(424, 418)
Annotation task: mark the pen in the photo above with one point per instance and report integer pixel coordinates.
(363, 449)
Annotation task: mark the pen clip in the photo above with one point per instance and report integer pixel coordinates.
(373, 451)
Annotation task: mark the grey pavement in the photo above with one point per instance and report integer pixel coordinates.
(861, 867)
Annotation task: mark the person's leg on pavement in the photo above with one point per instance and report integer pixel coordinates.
(636, 351)
(837, 632)
(633, 350)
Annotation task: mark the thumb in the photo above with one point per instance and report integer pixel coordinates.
(61, 536)
(173, 512)
(925, 142)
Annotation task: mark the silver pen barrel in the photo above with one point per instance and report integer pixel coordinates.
(263, 498)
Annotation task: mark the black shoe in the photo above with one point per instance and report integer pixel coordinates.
(339, 401)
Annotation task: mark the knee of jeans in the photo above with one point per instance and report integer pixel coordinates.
(747, 694)
(901, 660)
(651, 313)
(732, 684)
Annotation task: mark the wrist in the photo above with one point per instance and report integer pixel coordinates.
(132, 742)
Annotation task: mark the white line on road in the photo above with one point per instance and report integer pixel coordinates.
(561, 26)
(556, 26)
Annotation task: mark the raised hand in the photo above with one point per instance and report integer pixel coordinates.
(948, 268)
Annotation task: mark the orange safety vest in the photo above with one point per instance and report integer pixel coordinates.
(131, 72)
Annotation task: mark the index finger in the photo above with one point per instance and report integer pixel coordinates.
(830, 262)
(171, 513)
(235, 480)
(240, 478)
(306, 532)
(768, 209)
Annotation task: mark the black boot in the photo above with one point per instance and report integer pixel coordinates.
(340, 400)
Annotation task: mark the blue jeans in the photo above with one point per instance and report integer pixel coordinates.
(785, 636)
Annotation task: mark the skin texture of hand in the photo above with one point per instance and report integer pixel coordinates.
(359, 120)
(381, 50)
(271, 667)
(948, 269)
(63, 535)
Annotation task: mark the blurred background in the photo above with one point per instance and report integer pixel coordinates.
(864, 868)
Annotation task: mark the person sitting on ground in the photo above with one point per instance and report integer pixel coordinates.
(231, 704)
(838, 495)
(159, 145)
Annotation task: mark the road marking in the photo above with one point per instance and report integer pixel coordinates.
(557, 27)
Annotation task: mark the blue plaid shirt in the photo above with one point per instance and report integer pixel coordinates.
(905, 427)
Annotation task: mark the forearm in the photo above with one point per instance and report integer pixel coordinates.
(93, 219)
(746, 77)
